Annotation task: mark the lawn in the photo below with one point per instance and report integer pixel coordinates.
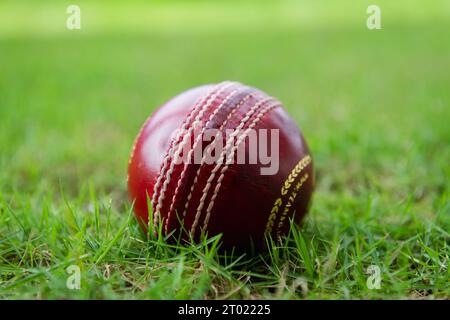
(374, 106)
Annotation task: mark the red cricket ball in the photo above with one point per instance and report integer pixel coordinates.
(223, 158)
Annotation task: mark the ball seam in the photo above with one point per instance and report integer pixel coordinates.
(216, 168)
(263, 112)
(197, 139)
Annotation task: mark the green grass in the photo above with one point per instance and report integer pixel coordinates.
(373, 105)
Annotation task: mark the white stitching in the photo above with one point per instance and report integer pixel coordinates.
(173, 143)
(225, 168)
(180, 146)
(216, 168)
(197, 140)
(235, 108)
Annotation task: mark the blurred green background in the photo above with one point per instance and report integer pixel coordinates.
(372, 104)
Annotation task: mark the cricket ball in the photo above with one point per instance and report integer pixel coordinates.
(221, 159)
